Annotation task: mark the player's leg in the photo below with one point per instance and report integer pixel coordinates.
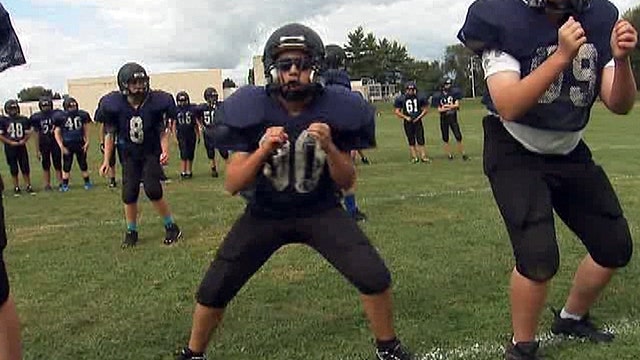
(457, 134)
(10, 348)
(409, 131)
(351, 204)
(45, 161)
(182, 147)
(248, 245)
(111, 173)
(420, 141)
(363, 158)
(81, 156)
(25, 169)
(524, 200)
(67, 163)
(12, 162)
(131, 177)
(209, 145)
(339, 240)
(589, 206)
(444, 133)
(153, 189)
(56, 159)
(191, 154)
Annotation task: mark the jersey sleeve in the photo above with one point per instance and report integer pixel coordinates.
(34, 121)
(58, 119)
(398, 103)
(480, 30)
(496, 61)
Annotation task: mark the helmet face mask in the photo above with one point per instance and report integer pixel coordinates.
(182, 99)
(133, 80)
(70, 104)
(561, 7)
(45, 104)
(210, 96)
(12, 108)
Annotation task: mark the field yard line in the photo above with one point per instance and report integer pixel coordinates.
(459, 192)
(473, 351)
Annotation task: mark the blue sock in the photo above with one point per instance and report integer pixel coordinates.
(168, 220)
(132, 227)
(350, 203)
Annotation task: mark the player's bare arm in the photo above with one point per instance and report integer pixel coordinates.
(86, 131)
(402, 116)
(243, 167)
(58, 135)
(109, 133)
(514, 96)
(341, 166)
(618, 89)
(424, 112)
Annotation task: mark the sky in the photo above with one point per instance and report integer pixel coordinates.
(66, 39)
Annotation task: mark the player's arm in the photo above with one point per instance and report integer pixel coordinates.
(109, 143)
(6, 140)
(27, 135)
(400, 115)
(341, 167)
(618, 89)
(242, 167)
(57, 133)
(423, 113)
(512, 95)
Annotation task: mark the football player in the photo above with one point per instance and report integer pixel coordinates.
(187, 132)
(290, 142)
(15, 131)
(72, 134)
(47, 148)
(208, 124)
(10, 343)
(411, 108)
(139, 116)
(448, 103)
(335, 74)
(545, 64)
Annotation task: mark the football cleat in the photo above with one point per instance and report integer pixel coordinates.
(17, 191)
(214, 172)
(583, 328)
(30, 190)
(398, 352)
(172, 235)
(522, 351)
(186, 354)
(130, 239)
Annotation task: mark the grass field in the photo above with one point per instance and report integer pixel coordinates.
(80, 296)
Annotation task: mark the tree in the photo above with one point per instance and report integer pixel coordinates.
(633, 15)
(458, 62)
(34, 93)
(228, 83)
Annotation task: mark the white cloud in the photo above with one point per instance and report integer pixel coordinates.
(172, 34)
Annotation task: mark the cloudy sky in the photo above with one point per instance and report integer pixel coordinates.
(65, 39)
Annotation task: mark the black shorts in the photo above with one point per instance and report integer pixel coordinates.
(252, 241)
(187, 145)
(77, 149)
(51, 153)
(414, 130)
(141, 168)
(17, 159)
(4, 279)
(527, 188)
(450, 121)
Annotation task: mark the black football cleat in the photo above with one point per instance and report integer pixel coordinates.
(522, 351)
(172, 235)
(130, 239)
(186, 354)
(397, 352)
(583, 328)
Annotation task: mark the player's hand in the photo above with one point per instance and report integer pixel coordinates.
(102, 148)
(164, 158)
(624, 39)
(104, 168)
(273, 138)
(14, 143)
(571, 36)
(322, 133)
(65, 151)
(85, 147)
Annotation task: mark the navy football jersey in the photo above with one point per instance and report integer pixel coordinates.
(42, 122)
(410, 105)
(208, 114)
(447, 98)
(15, 128)
(295, 181)
(337, 77)
(139, 130)
(71, 123)
(186, 120)
(510, 26)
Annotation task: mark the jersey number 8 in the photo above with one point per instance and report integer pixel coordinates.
(136, 131)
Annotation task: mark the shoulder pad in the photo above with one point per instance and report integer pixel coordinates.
(334, 77)
(245, 108)
(344, 110)
(481, 29)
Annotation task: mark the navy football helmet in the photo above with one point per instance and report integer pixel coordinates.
(12, 108)
(210, 95)
(130, 72)
(335, 58)
(182, 98)
(45, 103)
(70, 104)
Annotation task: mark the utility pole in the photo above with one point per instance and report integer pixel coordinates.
(472, 68)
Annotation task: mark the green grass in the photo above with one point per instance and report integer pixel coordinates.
(81, 297)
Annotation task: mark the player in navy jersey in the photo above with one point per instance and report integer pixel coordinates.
(15, 131)
(10, 343)
(447, 100)
(335, 74)
(185, 127)
(72, 135)
(412, 108)
(47, 148)
(290, 145)
(545, 64)
(138, 117)
(209, 111)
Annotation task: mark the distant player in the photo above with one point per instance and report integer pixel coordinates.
(335, 74)
(15, 131)
(139, 116)
(72, 135)
(545, 63)
(411, 108)
(187, 132)
(47, 148)
(208, 124)
(448, 103)
(291, 143)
